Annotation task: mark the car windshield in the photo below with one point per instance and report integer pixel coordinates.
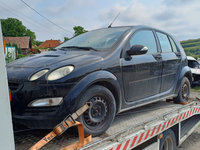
(96, 39)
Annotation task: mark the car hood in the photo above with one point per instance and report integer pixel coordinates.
(23, 68)
(45, 59)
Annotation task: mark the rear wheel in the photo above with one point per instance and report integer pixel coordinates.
(184, 92)
(168, 142)
(97, 119)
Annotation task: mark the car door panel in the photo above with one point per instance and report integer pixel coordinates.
(141, 76)
(170, 64)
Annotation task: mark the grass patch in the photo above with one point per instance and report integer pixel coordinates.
(196, 89)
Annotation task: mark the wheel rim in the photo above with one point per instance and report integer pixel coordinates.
(185, 91)
(168, 144)
(96, 115)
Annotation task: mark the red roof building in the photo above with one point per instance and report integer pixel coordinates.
(50, 44)
(22, 42)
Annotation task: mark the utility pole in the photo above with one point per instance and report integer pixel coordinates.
(6, 128)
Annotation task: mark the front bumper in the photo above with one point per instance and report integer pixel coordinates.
(36, 122)
(38, 117)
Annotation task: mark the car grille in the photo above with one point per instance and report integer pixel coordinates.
(13, 86)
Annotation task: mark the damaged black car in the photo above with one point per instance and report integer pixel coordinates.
(116, 69)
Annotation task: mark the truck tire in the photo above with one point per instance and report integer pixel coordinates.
(98, 118)
(184, 91)
(168, 142)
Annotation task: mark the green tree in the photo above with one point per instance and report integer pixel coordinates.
(79, 30)
(8, 44)
(38, 43)
(32, 35)
(66, 39)
(19, 51)
(14, 27)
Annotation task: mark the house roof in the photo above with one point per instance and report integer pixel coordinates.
(50, 44)
(22, 42)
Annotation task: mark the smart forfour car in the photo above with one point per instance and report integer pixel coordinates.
(116, 69)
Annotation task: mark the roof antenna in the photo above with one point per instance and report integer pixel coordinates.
(114, 20)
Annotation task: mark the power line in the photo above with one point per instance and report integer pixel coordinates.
(28, 21)
(35, 25)
(45, 17)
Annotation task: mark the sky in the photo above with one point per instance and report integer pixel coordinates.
(181, 18)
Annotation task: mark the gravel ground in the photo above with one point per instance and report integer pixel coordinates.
(192, 142)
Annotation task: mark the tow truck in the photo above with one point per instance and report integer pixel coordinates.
(159, 126)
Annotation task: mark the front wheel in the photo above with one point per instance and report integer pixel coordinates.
(97, 119)
(184, 92)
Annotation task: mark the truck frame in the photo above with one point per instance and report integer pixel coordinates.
(150, 134)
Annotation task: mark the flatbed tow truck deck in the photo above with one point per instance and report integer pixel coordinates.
(137, 128)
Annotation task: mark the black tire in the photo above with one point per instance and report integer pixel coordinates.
(168, 142)
(97, 119)
(184, 92)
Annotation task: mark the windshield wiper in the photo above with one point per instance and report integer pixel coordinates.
(80, 47)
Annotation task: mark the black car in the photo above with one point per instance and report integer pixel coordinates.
(116, 68)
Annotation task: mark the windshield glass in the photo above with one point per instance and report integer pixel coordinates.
(97, 39)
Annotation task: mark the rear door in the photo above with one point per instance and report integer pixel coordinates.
(170, 62)
(142, 73)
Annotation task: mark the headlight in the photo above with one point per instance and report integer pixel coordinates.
(59, 73)
(38, 74)
(46, 102)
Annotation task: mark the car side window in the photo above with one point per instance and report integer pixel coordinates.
(164, 42)
(145, 38)
(174, 48)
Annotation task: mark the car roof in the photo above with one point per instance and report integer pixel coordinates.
(136, 27)
(190, 58)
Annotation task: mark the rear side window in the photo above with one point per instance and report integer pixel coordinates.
(146, 38)
(164, 42)
(174, 48)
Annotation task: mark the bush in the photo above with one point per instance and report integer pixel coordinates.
(20, 56)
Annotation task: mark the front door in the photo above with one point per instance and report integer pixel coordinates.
(142, 73)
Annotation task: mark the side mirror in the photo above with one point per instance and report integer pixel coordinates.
(137, 50)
